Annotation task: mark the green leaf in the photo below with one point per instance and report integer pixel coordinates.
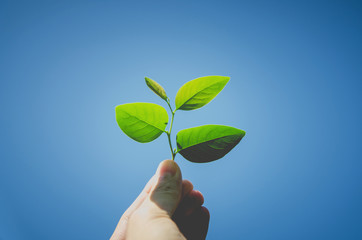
(156, 88)
(143, 122)
(207, 143)
(199, 92)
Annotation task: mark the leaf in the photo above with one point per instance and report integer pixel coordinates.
(207, 143)
(156, 88)
(143, 122)
(199, 92)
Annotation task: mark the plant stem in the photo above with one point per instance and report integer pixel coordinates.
(169, 142)
(169, 131)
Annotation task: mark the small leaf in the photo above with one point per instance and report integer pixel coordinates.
(156, 88)
(143, 122)
(207, 143)
(199, 92)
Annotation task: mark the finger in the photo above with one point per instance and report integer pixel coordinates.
(197, 196)
(188, 204)
(204, 222)
(166, 193)
(195, 226)
(196, 201)
(186, 188)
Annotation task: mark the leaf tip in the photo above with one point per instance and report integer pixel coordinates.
(226, 79)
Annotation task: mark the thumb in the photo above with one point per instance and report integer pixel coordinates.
(166, 194)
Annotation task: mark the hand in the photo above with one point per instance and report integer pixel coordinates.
(167, 209)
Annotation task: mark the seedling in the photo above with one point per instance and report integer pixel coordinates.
(144, 122)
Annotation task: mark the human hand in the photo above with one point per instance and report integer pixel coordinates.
(167, 209)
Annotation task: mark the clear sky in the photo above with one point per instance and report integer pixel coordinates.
(68, 172)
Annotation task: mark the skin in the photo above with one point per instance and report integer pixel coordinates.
(168, 208)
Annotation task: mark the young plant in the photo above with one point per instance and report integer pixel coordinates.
(144, 122)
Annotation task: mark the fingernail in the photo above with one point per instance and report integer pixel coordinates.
(168, 167)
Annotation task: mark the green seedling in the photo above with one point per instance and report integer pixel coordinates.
(144, 122)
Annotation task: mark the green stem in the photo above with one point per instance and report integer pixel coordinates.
(169, 131)
(169, 142)
(169, 105)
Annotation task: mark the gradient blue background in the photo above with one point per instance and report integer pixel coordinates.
(68, 172)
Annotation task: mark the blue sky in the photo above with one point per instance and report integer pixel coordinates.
(68, 172)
